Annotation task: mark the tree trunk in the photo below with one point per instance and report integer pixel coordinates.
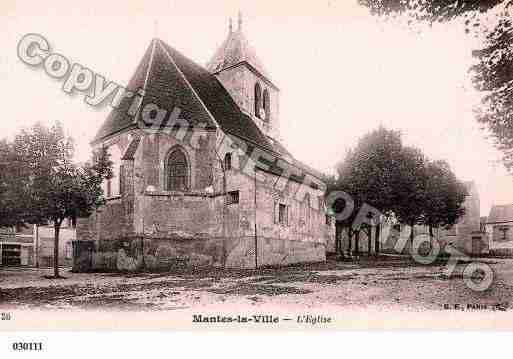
(338, 244)
(57, 228)
(350, 244)
(376, 239)
(369, 241)
(412, 235)
(431, 238)
(37, 245)
(357, 243)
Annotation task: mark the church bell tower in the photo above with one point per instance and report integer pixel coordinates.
(241, 72)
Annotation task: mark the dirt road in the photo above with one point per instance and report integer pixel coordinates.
(392, 283)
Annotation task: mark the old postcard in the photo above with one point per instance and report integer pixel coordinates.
(170, 165)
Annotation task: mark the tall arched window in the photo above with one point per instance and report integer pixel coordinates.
(267, 105)
(258, 99)
(177, 170)
(228, 162)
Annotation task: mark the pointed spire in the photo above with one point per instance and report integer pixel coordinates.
(231, 26)
(240, 20)
(234, 50)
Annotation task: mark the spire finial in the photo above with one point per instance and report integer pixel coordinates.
(230, 26)
(240, 20)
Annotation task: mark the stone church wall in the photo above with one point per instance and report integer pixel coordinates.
(151, 228)
(302, 238)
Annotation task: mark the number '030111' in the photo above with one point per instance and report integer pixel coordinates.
(6, 316)
(19, 346)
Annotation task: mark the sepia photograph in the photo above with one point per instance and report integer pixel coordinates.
(187, 165)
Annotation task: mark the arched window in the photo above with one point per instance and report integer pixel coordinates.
(267, 105)
(228, 162)
(258, 99)
(177, 170)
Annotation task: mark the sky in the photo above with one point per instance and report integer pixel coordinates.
(341, 73)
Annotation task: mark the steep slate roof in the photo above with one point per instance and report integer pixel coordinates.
(501, 214)
(218, 101)
(170, 79)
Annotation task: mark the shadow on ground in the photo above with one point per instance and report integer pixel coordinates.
(147, 290)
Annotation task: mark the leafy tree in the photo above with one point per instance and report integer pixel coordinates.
(444, 197)
(409, 184)
(384, 174)
(58, 188)
(494, 77)
(429, 10)
(493, 74)
(369, 168)
(367, 173)
(13, 186)
(399, 181)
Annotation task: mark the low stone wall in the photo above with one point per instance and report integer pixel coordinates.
(166, 253)
(149, 253)
(279, 251)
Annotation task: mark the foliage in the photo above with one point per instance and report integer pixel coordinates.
(494, 77)
(409, 185)
(13, 186)
(380, 172)
(49, 186)
(399, 181)
(428, 10)
(444, 196)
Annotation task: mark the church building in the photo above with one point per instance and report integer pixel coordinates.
(201, 175)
